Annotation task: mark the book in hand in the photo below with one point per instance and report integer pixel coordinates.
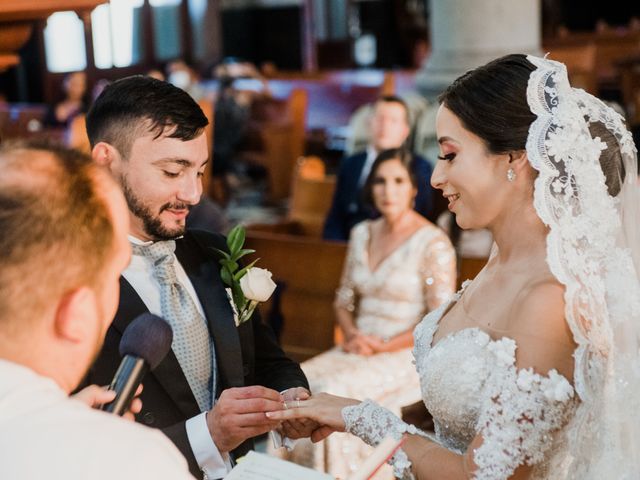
(259, 466)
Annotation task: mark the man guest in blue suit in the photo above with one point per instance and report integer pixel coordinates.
(389, 128)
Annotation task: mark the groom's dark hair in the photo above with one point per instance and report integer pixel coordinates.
(131, 106)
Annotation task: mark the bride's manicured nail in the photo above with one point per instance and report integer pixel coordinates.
(268, 414)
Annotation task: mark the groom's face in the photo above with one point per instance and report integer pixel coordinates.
(161, 180)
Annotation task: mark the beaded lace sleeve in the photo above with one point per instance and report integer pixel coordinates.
(346, 292)
(372, 423)
(520, 413)
(438, 270)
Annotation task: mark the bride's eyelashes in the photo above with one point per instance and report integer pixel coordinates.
(448, 157)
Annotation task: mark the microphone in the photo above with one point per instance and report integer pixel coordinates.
(145, 342)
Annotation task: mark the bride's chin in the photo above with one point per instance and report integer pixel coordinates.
(464, 223)
(460, 221)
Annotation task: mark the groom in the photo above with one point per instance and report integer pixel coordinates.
(210, 393)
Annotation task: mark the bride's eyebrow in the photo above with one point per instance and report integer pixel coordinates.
(446, 139)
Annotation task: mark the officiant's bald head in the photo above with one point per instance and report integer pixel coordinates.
(63, 245)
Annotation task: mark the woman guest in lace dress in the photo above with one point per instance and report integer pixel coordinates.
(398, 268)
(531, 371)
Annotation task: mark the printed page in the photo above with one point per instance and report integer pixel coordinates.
(258, 466)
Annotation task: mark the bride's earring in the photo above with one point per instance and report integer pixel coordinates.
(511, 175)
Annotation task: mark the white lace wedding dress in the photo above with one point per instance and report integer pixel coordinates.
(415, 278)
(470, 385)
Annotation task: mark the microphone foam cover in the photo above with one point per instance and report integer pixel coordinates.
(148, 337)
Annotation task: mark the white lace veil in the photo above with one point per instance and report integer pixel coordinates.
(587, 193)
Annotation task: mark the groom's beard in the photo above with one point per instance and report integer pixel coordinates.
(152, 224)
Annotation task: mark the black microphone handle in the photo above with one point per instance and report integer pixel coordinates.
(125, 383)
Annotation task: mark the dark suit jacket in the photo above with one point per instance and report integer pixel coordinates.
(348, 207)
(245, 355)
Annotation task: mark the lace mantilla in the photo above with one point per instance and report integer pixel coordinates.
(587, 252)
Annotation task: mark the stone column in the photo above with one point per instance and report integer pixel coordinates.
(469, 33)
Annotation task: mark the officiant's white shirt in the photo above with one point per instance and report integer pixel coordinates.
(46, 434)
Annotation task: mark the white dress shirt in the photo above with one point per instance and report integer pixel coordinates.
(140, 276)
(372, 154)
(46, 434)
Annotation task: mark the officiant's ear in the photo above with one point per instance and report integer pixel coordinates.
(73, 316)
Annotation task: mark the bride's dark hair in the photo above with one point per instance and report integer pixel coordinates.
(491, 102)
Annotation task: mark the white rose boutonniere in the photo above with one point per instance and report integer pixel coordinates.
(257, 285)
(248, 286)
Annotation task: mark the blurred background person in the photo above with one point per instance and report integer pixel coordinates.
(468, 243)
(181, 75)
(74, 99)
(398, 267)
(390, 126)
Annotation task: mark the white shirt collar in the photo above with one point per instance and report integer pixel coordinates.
(137, 241)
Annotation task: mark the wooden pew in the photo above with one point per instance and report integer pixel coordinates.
(310, 201)
(333, 96)
(468, 268)
(25, 120)
(276, 138)
(307, 272)
(601, 49)
(630, 80)
(311, 196)
(581, 64)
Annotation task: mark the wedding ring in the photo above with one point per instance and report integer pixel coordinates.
(293, 404)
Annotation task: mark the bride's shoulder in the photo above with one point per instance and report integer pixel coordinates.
(539, 306)
(538, 323)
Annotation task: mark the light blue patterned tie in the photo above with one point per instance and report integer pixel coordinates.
(192, 344)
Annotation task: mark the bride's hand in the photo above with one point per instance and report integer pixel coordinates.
(323, 408)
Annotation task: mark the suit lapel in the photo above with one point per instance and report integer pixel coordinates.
(205, 277)
(168, 373)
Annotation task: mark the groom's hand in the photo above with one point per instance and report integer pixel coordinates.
(296, 428)
(321, 433)
(239, 414)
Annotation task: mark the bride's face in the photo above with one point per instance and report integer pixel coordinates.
(472, 179)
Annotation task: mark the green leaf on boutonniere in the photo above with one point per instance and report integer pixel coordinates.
(237, 276)
(245, 251)
(227, 278)
(235, 240)
(229, 265)
(223, 254)
(238, 297)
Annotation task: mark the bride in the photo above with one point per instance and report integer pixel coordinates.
(532, 370)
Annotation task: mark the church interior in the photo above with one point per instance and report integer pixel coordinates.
(288, 87)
